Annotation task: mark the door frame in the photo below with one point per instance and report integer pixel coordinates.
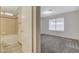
(36, 42)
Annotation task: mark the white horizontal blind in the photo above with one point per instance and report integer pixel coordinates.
(59, 24)
(56, 24)
(52, 24)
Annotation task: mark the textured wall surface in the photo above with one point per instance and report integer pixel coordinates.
(55, 44)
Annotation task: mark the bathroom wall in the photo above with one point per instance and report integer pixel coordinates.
(25, 28)
(8, 25)
(71, 22)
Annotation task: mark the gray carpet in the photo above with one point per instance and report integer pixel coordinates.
(55, 44)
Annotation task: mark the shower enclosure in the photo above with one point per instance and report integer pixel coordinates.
(9, 30)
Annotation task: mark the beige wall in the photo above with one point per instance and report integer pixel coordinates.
(25, 28)
(8, 25)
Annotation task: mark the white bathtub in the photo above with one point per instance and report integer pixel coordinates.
(9, 39)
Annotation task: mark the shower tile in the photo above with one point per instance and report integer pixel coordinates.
(15, 48)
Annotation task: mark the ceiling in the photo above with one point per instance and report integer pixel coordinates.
(45, 10)
(54, 10)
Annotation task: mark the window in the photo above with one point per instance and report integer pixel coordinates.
(52, 24)
(56, 24)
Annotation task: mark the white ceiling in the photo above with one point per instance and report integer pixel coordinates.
(57, 10)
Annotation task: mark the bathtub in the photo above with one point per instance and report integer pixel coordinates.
(9, 39)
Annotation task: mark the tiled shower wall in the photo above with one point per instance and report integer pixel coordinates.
(55, 44)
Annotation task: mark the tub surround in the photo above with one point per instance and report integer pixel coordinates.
(10, 43)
